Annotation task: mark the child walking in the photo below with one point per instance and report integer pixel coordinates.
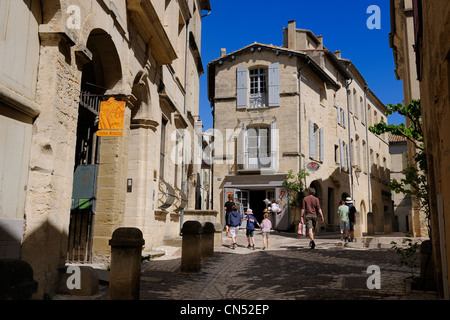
(266, 225)
(251, 222)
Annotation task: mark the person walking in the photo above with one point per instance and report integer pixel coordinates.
(310, 210)
(266, 225)
(351, 218)
(228, 208)
(343, 219)
(234, 221)
(251, 224)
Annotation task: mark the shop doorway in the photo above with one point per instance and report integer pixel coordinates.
(257, 203)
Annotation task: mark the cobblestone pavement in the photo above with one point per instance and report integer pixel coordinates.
(287, 270)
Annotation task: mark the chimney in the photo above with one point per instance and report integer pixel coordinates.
(320, 38)
(223, 52)
(337, 53)
(291, 42)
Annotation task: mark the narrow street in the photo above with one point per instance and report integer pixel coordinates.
(287, 270)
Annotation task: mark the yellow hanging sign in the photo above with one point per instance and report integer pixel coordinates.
(112, 117)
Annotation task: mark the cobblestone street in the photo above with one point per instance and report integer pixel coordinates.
(288, 270)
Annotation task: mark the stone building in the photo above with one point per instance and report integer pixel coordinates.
(298, 106)
(64, 188)
(419, 38)
(401, 40)
(398, 148)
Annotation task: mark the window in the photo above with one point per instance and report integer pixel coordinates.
(342, 116)
(258, 147)
(344, 155)
(258, 88)
(316, 150)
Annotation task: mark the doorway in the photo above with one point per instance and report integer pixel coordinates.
(257, 204)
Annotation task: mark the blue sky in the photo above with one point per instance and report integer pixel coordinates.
(234, 24)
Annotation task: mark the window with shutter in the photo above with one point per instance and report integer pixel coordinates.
(257, 147)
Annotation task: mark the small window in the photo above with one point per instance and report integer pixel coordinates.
(258, 87)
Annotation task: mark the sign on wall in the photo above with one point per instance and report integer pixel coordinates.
(112, 116)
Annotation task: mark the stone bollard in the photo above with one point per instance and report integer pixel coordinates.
(191, 249)
(217, 235)
(207, 240)
(125, 275)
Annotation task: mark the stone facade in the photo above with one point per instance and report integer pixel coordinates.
(398, 149)
(402, 40)
(55, 70)
(298, 106)
(432, 48)
(419, 38)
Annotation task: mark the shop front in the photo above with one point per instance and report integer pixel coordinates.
(259, 192)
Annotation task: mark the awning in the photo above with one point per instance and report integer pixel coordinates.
(254, 181)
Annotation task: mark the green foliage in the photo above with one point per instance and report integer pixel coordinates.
(413, 132)
(414, 182)
(408, 255)
(295, 186)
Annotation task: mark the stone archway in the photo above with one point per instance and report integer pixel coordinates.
(97, 159)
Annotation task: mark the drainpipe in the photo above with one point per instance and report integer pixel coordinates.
(367, 150)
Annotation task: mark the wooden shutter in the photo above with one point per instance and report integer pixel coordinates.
(274, 84)
(312, 149)
(241, 87)
(345, 119)
(341, 150)
(339, 114)
(273, 144)
(321, 145)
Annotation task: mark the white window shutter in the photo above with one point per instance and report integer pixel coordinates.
(339, 114)
(321, 156)
(241, 87)
(341, 149)
(345, 119)
(274, 84)
(312, 149)
(348, 157)
(242, 147)
(273, 145)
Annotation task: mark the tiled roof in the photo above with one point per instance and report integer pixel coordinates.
(394, 138)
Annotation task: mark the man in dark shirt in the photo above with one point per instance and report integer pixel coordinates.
(351, 217)
(310, 209)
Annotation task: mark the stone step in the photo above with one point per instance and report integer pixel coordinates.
(381, 242)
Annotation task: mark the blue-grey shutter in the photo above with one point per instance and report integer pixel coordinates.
(312, 149)
(274, 85)
(321, 156)
(339, 114)
(241, 87)
(341, 149)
